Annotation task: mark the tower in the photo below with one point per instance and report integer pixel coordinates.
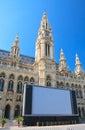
(44, 43)
(15, 49)
(44, 55)
(78, 69)
(63, 65)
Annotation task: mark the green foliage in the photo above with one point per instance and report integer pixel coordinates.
(19, 119)
(3, 121)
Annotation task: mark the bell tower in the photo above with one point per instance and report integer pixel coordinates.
(44, 43)
(44, 55)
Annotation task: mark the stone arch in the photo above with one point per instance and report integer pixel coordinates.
(72, 85)
(61, 83)
(79, 86)
(32, 80)
(26, 78)
(76, 85)
(11, 76)
(3, 75)
(67, 84)
(57, 83)
(7, 111)
(20, 77)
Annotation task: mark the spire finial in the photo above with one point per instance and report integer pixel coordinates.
(63, 65)
(78, 69)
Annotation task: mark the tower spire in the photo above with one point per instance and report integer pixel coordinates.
(44, 43)
(44, 22)
(78, 68)
(15, 49)
(63, 65)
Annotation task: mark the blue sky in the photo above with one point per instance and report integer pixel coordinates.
(67, 19)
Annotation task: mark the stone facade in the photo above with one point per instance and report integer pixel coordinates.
(17, 69)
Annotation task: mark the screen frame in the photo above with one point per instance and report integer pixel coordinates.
(74, 110)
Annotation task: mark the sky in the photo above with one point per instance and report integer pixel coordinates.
(23, 17)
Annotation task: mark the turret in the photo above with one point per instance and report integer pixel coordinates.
(78, 68)
(63, 65)
(15, 49)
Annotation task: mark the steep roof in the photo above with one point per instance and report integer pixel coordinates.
(25, 59)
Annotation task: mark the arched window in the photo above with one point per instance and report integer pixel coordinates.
(48, 81)
(19, 87)
(47, 50)
(7, 111)
(1, 84)
(20, 77)
(26, 78)
(57, 83)
(72, 85)
(32, 80)
(10, 85)
(76, 85)
(67, 85)
(61, 84)
(2, 75)
(11, 76)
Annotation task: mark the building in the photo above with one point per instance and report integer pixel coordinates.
(17, 69)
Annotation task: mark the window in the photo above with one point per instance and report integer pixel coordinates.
(47, 50)
(11, 76)
(26, 78)
(48, 81)
(1, 84)
(32, 80)
(10, 85)
(19, 87)
(20, 77)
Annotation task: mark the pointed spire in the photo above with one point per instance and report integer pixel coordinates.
(16, 41)
(63, 65)
(78, 69)
(44, 22)
(62, 57)
(15, 49)
(77, 60)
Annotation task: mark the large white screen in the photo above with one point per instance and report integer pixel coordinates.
(51, 101)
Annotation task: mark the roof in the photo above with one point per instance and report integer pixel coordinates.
(25, 59)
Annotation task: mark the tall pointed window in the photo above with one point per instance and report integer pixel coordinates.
(19, 87)
(47, 50)
(1, 84)
(10, 85)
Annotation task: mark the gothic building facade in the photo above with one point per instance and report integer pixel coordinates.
(17, 69)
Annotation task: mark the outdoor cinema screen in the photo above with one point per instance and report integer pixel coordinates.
(47, 101)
